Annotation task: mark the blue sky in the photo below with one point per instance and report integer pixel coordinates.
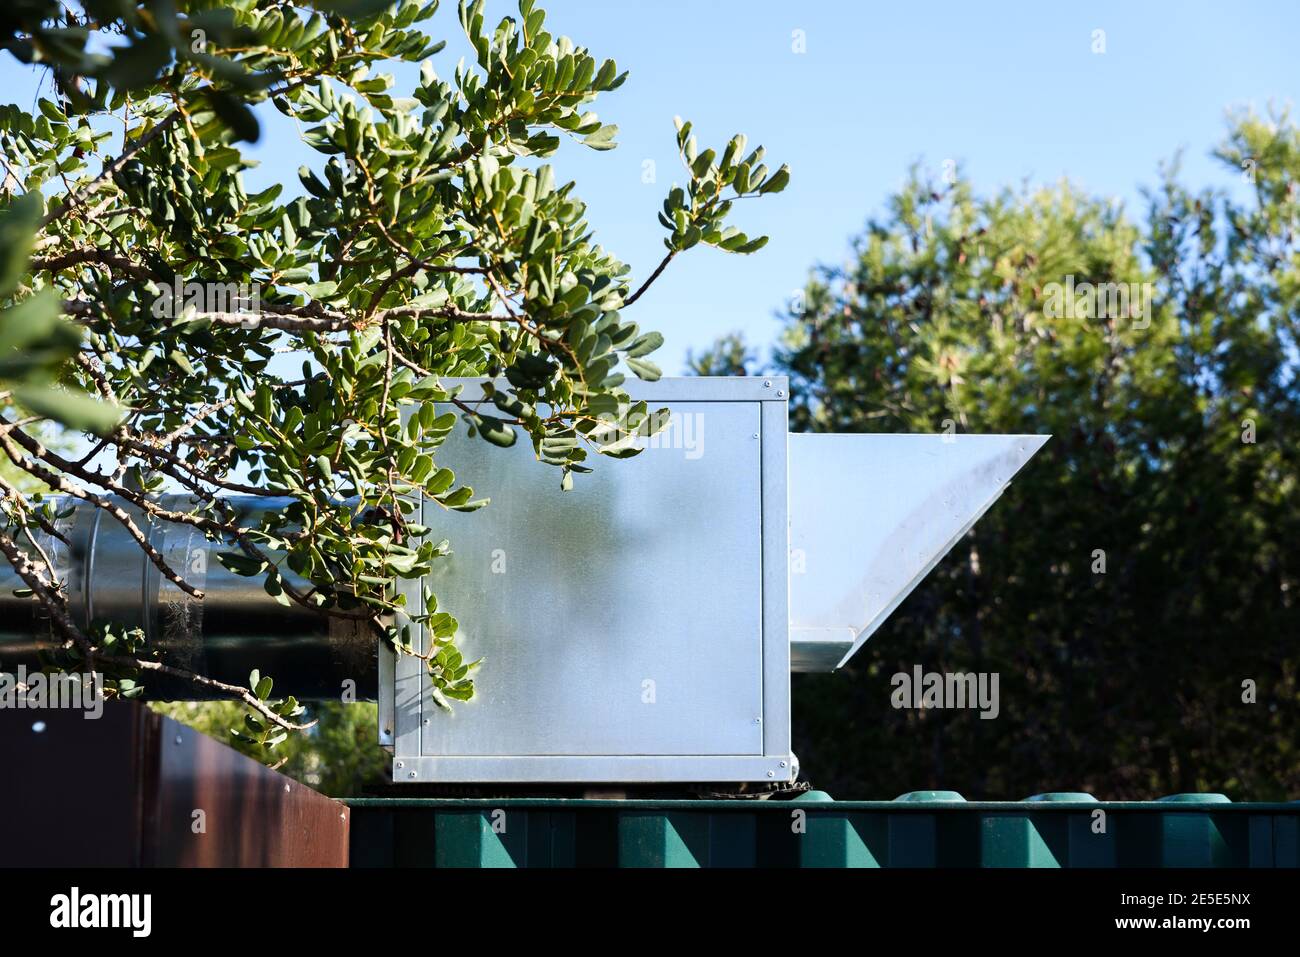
(1011, 91)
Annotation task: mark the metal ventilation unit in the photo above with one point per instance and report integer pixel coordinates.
(643, 626)
(639, 628)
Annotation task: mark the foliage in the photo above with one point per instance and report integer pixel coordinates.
(431, 241)
(729, 355)
(1173, 454)
(337, 756)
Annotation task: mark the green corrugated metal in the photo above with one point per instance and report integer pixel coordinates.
(921, 829)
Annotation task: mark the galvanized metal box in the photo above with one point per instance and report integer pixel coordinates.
(634, 629)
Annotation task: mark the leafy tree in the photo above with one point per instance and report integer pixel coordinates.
(729, 355)
(1143, 566)
(153, 302)
(337, 755)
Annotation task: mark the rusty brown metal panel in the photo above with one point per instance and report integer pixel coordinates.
(68, 794)
(123, 790)
(252, 816)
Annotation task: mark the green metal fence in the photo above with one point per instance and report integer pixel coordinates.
(920, 829)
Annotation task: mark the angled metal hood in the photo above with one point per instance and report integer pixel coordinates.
(870, 516)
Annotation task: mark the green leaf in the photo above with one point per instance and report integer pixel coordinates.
(645, 369)
(439, 482)
(241, 564)
(602, 139)
(777, 181)
(76, 410)
(139, 63)
(18, 224)
(34, 339)
(313, 182)
(645, 345)
(495, 430)
(263, 688)
(235, 113)
(181, 360)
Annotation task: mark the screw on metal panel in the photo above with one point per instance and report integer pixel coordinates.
(755, 435)
(767, 384)
(412, 774)
(771, 774)
(426, 720)
(780, 393)
(178, 739)
(388, 730)
(758, 721)
(782, 764)
(401, 764)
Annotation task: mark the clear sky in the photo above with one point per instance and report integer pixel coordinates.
(1010, 91)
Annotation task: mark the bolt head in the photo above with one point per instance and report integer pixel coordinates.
(401, 764)
(411, 775)
(771, 774)
(767, 384)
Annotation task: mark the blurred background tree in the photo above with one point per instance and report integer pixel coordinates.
(729, 355)
(337, 755)
(1141, 572)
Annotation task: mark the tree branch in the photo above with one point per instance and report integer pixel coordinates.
(653, 276)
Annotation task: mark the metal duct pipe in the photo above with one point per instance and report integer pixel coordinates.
(233, 629)
(870, 517)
